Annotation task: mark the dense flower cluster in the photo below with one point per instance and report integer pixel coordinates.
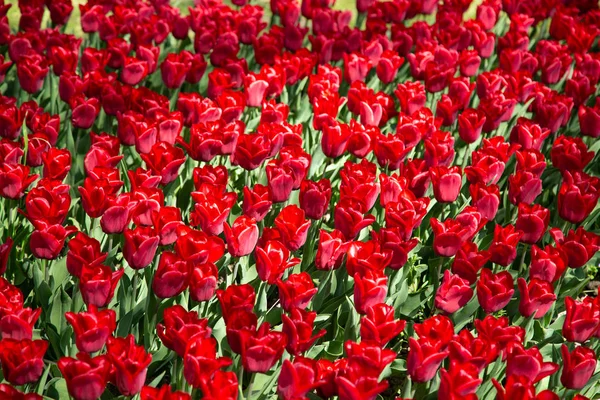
(398, 202)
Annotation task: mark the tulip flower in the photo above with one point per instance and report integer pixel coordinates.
(86, 376)
(130, 362)
(92, 328)
(579, 366)
(22, 360)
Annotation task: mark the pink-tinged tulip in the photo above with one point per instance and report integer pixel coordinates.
(470, 125)
(536, 297)
(281, 181)
(140, 246)
(292, 227)
(200, 361)
(578, 366)
(257, 202)
(84, 111)
(211, 208)
(589, 120)
(388, 66)
(369, 290)
(97, 284)
(86, 376)
(263, 349)
(134, 71)
(486, 199)
(255, 90)
(22, 360)
(582, 319)
(547, 264)
(503, 249)
(167, 221)
(331, 250)
(315, 198)
(296, 292)
(31, 71)
(92, 328)
(528, 363)
(172, 276)
(350, 218)
(528, 134)
(379, 325)
(524, 187)
(446, 183)
(453, 293)
(130, 363)
(298, 327)
(335, 138)
(424, 358)
(412, 96)
(494, 291)
(242, 236)
(272, 259)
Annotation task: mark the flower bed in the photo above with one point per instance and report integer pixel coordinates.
(202, 204)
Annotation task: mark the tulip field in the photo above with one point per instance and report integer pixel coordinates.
(287, 200)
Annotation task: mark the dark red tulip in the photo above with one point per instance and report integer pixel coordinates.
(577, 197)
(369, 290)
(200, 361)
(533, 221)
(582, 319)
(130, 362)
(172, 276)
(19, 324)
(86, 376)
(57, 163)
(22, 360)
(263, 349)
(140, 246)
(494, 291)
(424, 359)
(296, 292)
(570, 154)
(315, 198)
(98, 283)
(503, 249)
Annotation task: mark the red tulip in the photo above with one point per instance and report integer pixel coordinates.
(533, 221)
(494, 291)
(577, 197)
(446, 183)
(296, 292)
(22, 360)
(130, 363)
(86, 376)
(242, 236)
(5, 249)
(180, 327)
(503, 249)
(235, 298)
(298, 327)
(548, 264)
(579, 366)
(453, 294)
(379, 325)
(297, 379)
(83, 250)
(263, 349)
(203, 282)
(424, 359)
(536, 297)
(14, 180)
(164, 393)
(92, 328)
(200, 361)
(315, 198)
(528, 363)
(468, 261)
(292, 226)
(165, 160)
(257, 202)
(369, 290)
(579, 245)
(582, 319)
(140, 246)
(198, 247)
(98, 283)
(272, 259)
(172, 276)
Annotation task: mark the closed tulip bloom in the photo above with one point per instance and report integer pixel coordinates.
(133, 71)
(257, 202)
(83, 250)
(582, 319)
(388, 66)
(31, 71)
(297, 291)
(453, 293)
(369, 290)
(22, 360)
(86, 376)
(468, 261)
(242, 236)
(536, 297)
(349, 217)
(19, 324)
(446, 183)
(57, 163)
(172, 276)
(272, 260)
(98, 283)
(297, 378)
(174, 69)
(281, 181)
(494, 291)
(424, 359)
(589, 120)
(163, 393)
(298, 327)
(235, 298)
(263, 349)
(533, 221)
(450, 236)
(201, 362)
(203, 281)
(578, 366)
(315, 198)
(503, 249)
(292, 226)
(379, 326)
(528, 363)
(140, 246)
(579, 245)
(331, 250)
(92, 328)
(179, 327)
(14, 180)
(570, 154)
(84, 111)
(547, 264)
(459, 381)
(578, 196)
(335, 138)
(47, 241)
(130, 362)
